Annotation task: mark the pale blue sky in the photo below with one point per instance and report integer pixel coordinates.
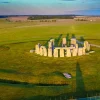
(25, 7)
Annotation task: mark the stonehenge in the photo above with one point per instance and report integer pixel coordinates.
(63, 51)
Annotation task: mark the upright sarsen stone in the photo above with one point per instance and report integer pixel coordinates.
(68, 52)
(84, 51)
(73, 41)
(76, 46)
(50, 44)
(80, 51)
(53, 42)
(49, 52)
(55, 52)
(41, 51)
(87, 45)
(61, 52)
(88, 48)
(37, 49)
(74, 52)
(64, 42)
(45, 51)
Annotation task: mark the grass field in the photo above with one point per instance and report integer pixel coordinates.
(25, 76)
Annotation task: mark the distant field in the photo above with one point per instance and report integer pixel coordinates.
(21, 72)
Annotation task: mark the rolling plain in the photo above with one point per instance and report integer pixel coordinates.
(27, 76)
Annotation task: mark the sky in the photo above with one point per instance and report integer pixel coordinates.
(49, 7)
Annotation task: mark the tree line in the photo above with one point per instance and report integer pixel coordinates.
(37, 17)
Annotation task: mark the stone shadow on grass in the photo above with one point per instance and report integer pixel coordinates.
(57, 40)
(68, 40)
(73, 36)
(7, 71)
(80, 88)
(46, 44)
(82, 39)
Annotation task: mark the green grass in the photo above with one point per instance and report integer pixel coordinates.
(17, 64)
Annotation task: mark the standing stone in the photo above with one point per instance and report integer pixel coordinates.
(61, 52)
(37, 49)
(85, 42)
(53, 41)
(76, 46)
(80, 51)
(88, 48)
(68, 53)
(41, 51)
(73, 41)
(31, 51)
(64, 42)
(84, 51)
(71, 45)
(50, 44)
(87, 45)
(49, 52)
(45, 51)
(55, 52)
(74, 53)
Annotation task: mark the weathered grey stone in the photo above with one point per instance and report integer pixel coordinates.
(41, 51)
(84, 51)
(61, 52)
(64, 42)
(87, 45)
(80, 51)
(76, 46)
(91, 51)
(71, 48)
(53, 41)
(68, 52)
(49, 52)
(60, 47)
(64, 48)
(55, 52)
(71, 45)
(50, 44)
(74, 53)
(45, 51)
(73, 41)
(37, 49)
(88, 48)
(31, 51)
